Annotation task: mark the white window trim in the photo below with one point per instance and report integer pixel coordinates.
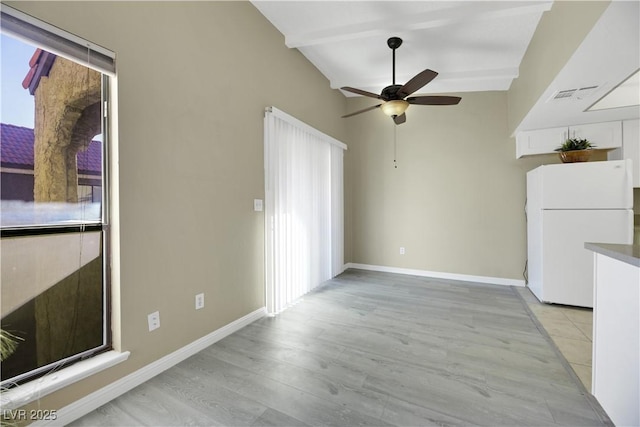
(26, 393)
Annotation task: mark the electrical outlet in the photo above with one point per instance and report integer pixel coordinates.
(401, 250)
(154, 320)
(199, 301)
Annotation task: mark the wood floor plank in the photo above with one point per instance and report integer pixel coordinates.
(302, 405)
(220, 405)
(330, 366)
(273, 418)
(343, 387)
(372, 349)
(106, 416)
(402, 413)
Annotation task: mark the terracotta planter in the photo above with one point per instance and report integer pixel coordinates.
(575, 156)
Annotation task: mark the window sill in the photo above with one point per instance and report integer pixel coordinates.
(36, 389)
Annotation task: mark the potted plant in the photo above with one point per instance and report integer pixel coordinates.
(575, 150)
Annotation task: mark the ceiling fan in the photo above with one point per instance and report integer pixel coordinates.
(395, 96)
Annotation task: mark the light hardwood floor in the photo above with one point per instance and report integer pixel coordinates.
(372, 349)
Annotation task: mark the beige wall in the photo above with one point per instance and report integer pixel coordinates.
(456, 200)
(194, 79)
(558, 35)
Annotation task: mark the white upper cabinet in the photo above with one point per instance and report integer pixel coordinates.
(602, 135)
(630, 148)
(606, 135)
(539, 141)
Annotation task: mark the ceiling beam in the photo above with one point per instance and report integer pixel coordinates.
(448, 77)
(465, 12)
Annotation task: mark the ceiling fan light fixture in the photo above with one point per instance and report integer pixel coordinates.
(395, 107)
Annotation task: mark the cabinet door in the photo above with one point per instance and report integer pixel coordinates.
(539, 141)
(602, 135)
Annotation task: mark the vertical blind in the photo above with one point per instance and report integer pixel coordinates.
(304, 211)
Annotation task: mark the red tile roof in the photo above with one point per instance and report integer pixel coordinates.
(39, 66)
(16, 150)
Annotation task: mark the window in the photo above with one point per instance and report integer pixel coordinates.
(54, 198)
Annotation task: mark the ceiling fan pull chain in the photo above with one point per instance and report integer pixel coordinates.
(395, 138)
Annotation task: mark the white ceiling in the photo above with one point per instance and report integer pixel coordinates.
(609, 54)
(473, 45)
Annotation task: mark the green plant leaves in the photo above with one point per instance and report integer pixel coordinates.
(573, 144)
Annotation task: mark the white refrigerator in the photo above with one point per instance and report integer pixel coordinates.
(567, 205)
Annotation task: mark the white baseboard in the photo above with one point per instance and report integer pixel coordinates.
(98, 398)
(439, 275)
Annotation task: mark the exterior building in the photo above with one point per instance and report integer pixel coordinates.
(17, 166)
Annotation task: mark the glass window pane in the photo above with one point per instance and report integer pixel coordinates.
(52, 298)
(51, 147)
(54, 279)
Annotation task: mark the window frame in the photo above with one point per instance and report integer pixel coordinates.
(77, 226)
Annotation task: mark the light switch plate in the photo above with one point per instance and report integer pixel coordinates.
(257, 205)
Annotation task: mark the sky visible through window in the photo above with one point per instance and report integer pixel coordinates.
(17, 103)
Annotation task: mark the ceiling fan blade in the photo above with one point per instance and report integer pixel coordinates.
(361, 92)
(416, 83)
(362, 111)
(400, 119)
(434, 100)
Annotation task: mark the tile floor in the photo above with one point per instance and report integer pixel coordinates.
(571, 328)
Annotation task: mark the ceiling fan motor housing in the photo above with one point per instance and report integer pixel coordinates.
(390, 92)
